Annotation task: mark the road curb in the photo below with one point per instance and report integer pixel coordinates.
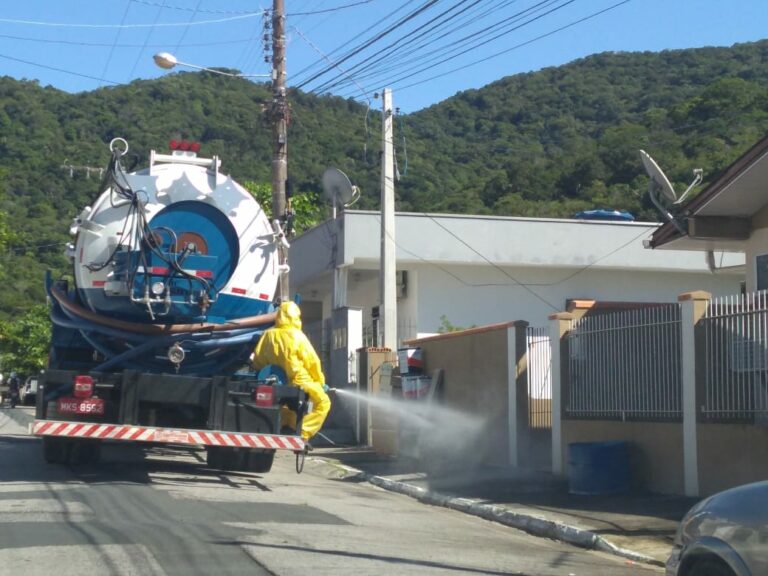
(535, 525)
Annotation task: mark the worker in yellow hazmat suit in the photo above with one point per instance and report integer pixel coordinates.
(286, 346)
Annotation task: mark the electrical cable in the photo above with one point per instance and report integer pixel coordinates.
(441, 51)
(162, 25)
(483, 42)
(298, 74)
(326, 10)
(507, 50)
(494, 265)
(187, 9)
(363, 91)
(387, 50)
(425, 6)
(117, 37)
(146, 41)
(106, 44)
(189, 23)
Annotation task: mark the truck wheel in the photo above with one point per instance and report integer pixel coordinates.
(85, 452)
(258, 461)
(68, 451)
(55, 450)
(224, 458)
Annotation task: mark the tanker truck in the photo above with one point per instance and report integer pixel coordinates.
(175, 271)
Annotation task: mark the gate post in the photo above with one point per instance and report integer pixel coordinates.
(693, 305)
(560, 324)
(517, 391)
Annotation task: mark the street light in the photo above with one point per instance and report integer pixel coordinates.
(167, 61)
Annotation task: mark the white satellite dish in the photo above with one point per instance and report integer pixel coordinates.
(657, 176)
(339, 189)
(660, 182)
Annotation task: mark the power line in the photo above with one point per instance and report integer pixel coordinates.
(483, 42)
(55, 69)
(146, 41)
(188, 9)
(366, 30)
(324, 11)
(466, 17)
(108, 44)
(376, 38)
(189, 23)
(494, 265)
(393, 44)
(311, 45)
(163, 25)
(506, 51)
(117, 37)
(474, 39)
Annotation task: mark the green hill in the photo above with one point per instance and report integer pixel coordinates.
(547, 143)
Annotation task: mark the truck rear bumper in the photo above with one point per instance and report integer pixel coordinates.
(180, 436)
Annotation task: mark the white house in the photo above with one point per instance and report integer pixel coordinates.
(477, 270)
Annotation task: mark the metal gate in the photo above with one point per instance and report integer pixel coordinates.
(539, 354)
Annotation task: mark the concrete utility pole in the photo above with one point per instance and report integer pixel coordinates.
(279, 113)
(387, 280)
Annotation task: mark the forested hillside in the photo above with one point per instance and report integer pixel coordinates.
(548, 143)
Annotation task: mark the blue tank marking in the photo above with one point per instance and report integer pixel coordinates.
(226, 307)
(209, 223)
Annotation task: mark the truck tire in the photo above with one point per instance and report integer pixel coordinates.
(240, 459)
(224, 458)
(85, 452)
(69, 451)
(55, 450)
(259, 461)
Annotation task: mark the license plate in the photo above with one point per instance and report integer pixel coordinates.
(80, 406)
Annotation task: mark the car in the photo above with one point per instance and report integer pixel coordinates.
(724, 535)
(28, 392)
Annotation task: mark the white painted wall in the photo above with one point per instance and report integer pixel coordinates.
(502, 300)
(447, 259)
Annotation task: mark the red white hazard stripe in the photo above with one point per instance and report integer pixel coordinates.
(165, 435)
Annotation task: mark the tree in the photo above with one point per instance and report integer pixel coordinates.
(306, 206)
(24, 342)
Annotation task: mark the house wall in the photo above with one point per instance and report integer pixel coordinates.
(475, 385)
(731, 454)
(487, 296)
(655, 450)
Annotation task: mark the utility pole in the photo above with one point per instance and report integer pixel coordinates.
(387, 280)
(279, 119)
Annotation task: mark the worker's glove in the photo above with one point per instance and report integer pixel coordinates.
(326, 388)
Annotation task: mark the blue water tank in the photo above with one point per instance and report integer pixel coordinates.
(596, 468)
(609, 215)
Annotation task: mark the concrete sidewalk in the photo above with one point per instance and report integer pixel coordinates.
(639, 527)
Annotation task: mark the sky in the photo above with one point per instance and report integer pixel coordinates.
(425, 50)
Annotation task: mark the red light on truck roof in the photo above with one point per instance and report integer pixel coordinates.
(184, 145)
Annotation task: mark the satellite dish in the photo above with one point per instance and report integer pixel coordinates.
(658, 178)
(339, 189)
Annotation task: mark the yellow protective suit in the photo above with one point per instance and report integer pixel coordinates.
(287, 346)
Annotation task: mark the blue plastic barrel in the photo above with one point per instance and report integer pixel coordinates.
(596, 468)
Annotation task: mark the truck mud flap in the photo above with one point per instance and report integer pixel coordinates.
(129, 433)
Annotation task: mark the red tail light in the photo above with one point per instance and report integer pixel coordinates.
(83, 387)
(264, 395)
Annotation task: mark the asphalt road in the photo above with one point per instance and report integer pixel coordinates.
(164, 512)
